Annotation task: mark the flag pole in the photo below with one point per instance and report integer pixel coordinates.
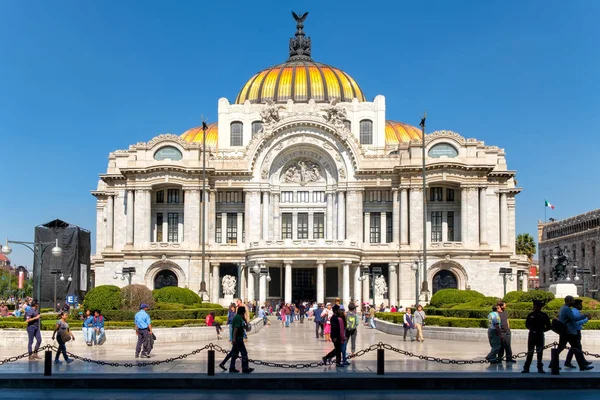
(545, 209)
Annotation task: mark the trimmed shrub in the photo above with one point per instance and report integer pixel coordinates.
(168, 306)
(527, 306)
(514, 296)
(484, 302)
(132, 296)
(105, 297)
(555, 304)
(173, 294)
(537, 295)
(446, 297)
(209, 305)
(156, 315)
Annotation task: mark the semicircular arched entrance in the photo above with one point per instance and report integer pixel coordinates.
(447, 274)
(164, 273)
(165, 278)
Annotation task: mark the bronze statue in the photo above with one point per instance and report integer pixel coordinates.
(559, 272)
(300, 44)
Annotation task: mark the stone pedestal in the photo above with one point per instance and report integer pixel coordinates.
(562, 289)
(227, 300)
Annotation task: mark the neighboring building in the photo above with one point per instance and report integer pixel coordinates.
(309, 181)
(4, 260)
(534, 276)
(579, 236)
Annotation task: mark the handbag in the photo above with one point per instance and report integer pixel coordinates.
(559, 327)
(65, 337)
(247, 327)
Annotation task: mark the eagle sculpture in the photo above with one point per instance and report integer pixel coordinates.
(300, 19)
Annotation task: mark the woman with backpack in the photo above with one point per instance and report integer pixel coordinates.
(351, 327)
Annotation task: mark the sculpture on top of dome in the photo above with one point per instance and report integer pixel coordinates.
(300, 44)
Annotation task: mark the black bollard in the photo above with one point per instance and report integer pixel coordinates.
(211, 363)
(554, 363)
(47, 363)
(380, 362)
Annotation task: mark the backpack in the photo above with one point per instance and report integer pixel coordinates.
(351, 322)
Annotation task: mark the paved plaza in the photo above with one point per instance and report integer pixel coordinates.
(294, 345)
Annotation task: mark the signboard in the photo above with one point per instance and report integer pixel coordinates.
(21, 279)
(168, 153)
(443, 150)
(72, 299)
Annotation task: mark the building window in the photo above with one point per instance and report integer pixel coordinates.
(236, 134)
(159, 227)
(389, 231)
(173, 228)
(348, 125)
(366, 131)
(286, 226)
(173, 196)
(594, 258)
(230, 197)
(303, 226)
(319, 197)
(318, 226)
(583, 255)
(256, 127)
(375, 228)
(218, 232)
(451, 226)
(574, 254)
(160, 196)
(449, 194)
(232, 228)
(287, 197)
(435, 194)
(303, 197)
(436, 226)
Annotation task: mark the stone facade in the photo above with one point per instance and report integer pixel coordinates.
(579, 236)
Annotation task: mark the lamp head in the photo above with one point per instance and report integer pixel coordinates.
(57, 251)
(70, 279)
(62, 277)
(576, 279)
(6, 248)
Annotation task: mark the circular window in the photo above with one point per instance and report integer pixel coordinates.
(168, 153)
(443, 150)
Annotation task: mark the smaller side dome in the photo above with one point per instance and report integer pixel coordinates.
(194, 135)
(399, 132)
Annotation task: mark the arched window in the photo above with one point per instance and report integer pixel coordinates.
(444, 279)
(366, 131)
(236, 137)
(594, 258)
(583, 255)
(165, 278)
(256, 127)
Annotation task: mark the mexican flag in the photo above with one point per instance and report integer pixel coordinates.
(549, 205)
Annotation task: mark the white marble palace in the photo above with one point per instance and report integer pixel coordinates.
(307, 185)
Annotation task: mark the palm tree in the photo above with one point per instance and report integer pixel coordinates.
(525, 245)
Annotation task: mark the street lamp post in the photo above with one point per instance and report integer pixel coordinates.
(371, 273)
(38, 249)
(55, 272)
(415, 268)
(256, 271)
(507, 275)
(126, 273)
(585, 272)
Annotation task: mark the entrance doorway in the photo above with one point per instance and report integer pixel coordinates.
(165, 278)
(444, 279)
(304, 284)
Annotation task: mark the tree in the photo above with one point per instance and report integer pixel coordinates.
(525, 245)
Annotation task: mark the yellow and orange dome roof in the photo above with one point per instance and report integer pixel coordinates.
(300, 80)
(194, 135)
(399, 132)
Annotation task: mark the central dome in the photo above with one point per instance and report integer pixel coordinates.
(300, 78)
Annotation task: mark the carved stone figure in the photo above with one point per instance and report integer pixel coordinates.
(559, 272)
(300, 44)
(380, 286)
(303, 171)
(335, 114)
(264, 174)
(342, 173)
(229, 284)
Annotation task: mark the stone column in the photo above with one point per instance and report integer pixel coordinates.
(367, 225)
(329, 217)
(295, 225)
(216, 286)
(464, 224)
(416, 217)
(320, 282)
(356, 282)
(395, 217)
(243, 289)
(383, 225)
(251, 296)
(205, 197)
(503, 221)
(346, 283)
(341, 215)
(223, 227)
(148, 215)
(139, 212)
(251, 210)
(262, 288)
(366, 285)
(240, 228)
(110, 218)
(265, 215)
(212, 218)
(355, 218)
(404, 216)
(393, 284)
(129, 230)
(191, 216)
(311, 224)
(288, 281)
(276, 218)
(482, 217)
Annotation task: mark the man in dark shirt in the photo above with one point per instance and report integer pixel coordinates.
(302, 311)
(32, 317)
(537, 322)
(505, 339)
(238, 346)
(335, 337)
(319, 321)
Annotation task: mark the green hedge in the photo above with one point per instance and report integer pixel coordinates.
(446, 297)
(173, 294)
(209, 305)
(483, 302)
(104, 297)
(522, 297)
(165, 314)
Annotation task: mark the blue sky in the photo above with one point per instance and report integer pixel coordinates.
(80, 79)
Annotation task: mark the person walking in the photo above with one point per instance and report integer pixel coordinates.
(409, 325)
(63, 334)
(301, 311)
(143, 330)
(372, 317)
(419, 320)
(288, 314)
(494, 335)
(32, 317)
(319, 321)
(577, 307)
(506, 336)
(326, 318)
(98, 326)
(538, 323)
(351, 326)
(238, 347)
(336, 337)
(569, 335)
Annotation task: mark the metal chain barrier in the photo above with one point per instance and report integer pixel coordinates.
(21, 356)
